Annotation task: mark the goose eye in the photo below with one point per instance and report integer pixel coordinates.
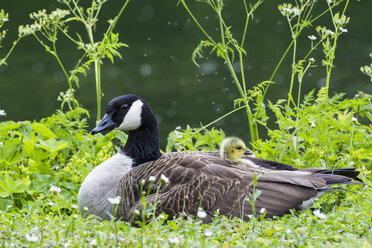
(239, 148)
(124, 106)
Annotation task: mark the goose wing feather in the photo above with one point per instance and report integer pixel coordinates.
(212, 183)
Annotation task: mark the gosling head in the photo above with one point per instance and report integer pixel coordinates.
(127, 112)
(234, 149)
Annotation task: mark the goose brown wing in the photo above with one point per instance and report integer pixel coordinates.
(194, 181)
(214, 184)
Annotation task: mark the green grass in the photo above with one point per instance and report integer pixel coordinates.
(347, 223)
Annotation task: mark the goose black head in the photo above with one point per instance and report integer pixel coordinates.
(127, 112)
(133, 114)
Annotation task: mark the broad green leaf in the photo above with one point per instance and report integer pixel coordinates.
(43, 130)
(25, 130)
(9, 125)
(34, 152)
(41, 182)
(10, 151)
(8, 186)
(53, 145)
(4, 203)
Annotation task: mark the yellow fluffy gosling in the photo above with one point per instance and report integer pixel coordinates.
(234, 149)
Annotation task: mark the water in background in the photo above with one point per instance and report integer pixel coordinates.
(157, 65)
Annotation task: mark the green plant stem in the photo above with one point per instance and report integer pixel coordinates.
(290, 46)
(112, 26)
(243, 94)
(246, 23)
(3, 61)
(218, 119)
(196, 21)
(293, 70)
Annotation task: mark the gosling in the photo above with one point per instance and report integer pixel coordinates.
(234, 149)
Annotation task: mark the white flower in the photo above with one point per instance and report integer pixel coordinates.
(164, 178)
(152, 179)
(114, 201)
(311, 60)
(262, 210)
(318, 214)
(86, 209)
(208, 233)
(329, 32)
(93, 242)
(2, 112)
(174, 240)
(344, 30)
(296, 11)
(201, 213)
(55, 189)
(354, 119)
(136, 212)
(312, 37)
(312, 124)
(31, 237)
(51, 204)
(74, 206)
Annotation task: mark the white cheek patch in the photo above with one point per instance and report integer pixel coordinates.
(132, 119)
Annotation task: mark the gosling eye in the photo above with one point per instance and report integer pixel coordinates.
(124, 106)
(239, 148)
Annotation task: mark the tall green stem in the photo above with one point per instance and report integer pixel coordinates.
(293, 70)
(3, 61)
(97, 74)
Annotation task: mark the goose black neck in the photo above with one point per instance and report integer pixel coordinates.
(143, 145)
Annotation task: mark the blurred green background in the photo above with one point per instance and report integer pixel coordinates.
(157, 65)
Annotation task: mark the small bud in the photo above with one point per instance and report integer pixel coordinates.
(201, 213)
(152, 179)
(354, 119)
(136, 212)
(114, 201)
(164, 178)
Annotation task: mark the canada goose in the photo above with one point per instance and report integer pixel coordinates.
(195, 179)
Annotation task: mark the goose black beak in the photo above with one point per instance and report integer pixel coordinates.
(248, 152)
(106, 124)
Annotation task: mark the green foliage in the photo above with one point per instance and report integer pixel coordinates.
(322, 132)
(191, 139)
(56, 150)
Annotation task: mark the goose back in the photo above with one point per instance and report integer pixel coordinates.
(202, 179)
